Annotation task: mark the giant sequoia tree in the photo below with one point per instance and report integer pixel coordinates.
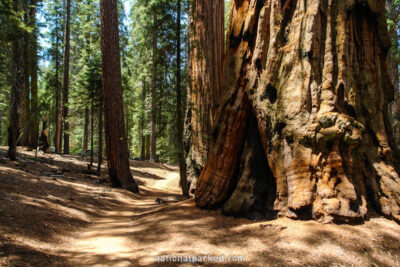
(303, 129)
(206, 55)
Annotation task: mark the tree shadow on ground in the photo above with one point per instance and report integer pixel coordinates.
(113, 227)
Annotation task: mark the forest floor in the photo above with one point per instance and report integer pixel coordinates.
(53, 214)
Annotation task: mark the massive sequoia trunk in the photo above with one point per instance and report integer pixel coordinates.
(206, 55)
(311, 77)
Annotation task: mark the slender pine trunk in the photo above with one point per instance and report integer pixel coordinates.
(17, 89)
(127, 123)
(66, 76)
(153, 141)
(147, 147)
(100, 148)
(34, 126)
(91, 133)
(142, 122)
(87, 122)
(25, 120)
(58, 108)
(179, 110)
(86, 130)
(116, 139)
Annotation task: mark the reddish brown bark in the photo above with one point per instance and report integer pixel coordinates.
(206, 55)
(315, 77)
(116, 140)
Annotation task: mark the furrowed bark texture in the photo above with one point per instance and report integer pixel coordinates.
(116, 140)
(17, 89)
(206, 56)
(314, 75)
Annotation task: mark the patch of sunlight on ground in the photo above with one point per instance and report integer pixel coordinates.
(115, 249)
(115, 245)
(171, 182)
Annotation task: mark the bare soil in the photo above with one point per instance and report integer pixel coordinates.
(54, 214)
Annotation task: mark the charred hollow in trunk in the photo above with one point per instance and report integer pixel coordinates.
(254, 192)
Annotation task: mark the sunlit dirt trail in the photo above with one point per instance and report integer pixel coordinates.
(75, 219)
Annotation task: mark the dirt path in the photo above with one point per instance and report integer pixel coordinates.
(76, 219)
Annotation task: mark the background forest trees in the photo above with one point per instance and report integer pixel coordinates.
(148, 45)
(393, 15)
(144, 81)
